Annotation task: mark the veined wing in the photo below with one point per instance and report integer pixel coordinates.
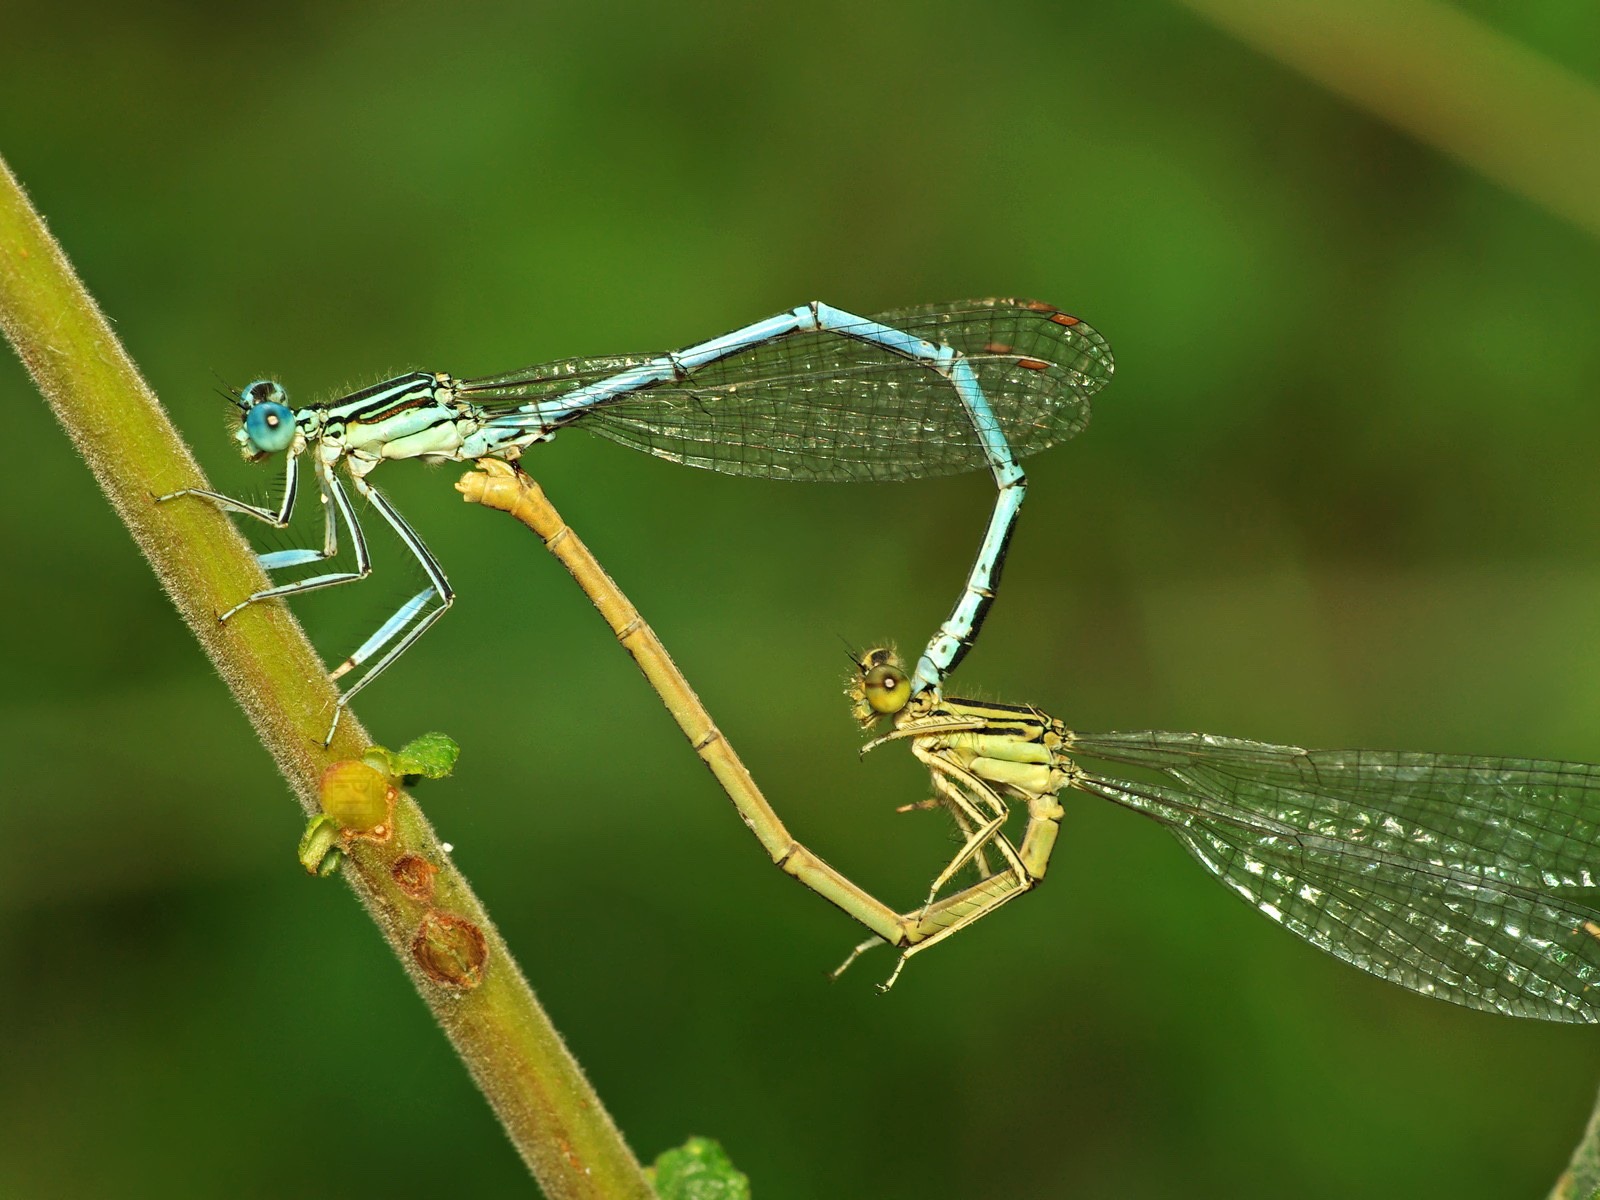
(824, 406)
(1469, 879)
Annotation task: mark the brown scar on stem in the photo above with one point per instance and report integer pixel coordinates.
(413, 875)
(450, 950)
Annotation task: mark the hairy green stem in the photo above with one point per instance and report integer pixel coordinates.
(431, 919)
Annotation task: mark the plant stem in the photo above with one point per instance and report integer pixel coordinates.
(515, 1055)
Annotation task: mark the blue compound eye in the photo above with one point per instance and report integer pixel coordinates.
(268, 422)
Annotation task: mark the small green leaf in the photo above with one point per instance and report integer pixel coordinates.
(699, 1170)
(319, 846)
(432, 756)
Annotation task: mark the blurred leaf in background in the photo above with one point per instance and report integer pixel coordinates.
(1342, 493)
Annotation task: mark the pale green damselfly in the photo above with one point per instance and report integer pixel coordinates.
(1469, 879)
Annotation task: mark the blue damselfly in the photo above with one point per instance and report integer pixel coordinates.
(810, 394)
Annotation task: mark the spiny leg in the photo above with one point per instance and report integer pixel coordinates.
(948, 780)
(976, 827)
(963, 826)
(276, 560)
(933, 727)
(980, 859)
(337, 508)
(278, 519)
(976, 840)
(331, 492)
(955, 913)
(967, 818)
(405, 617)
(980, 899)
(855, 954)
(924, 727)
(982, 909)
(983, 897)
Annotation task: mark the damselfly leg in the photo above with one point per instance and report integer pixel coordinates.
(402, 628)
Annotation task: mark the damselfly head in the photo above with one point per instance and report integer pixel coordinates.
(267, 420)
(881, 688)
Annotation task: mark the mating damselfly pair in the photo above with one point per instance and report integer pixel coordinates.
(1466, 879)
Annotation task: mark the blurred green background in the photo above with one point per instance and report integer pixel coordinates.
(1342, 492)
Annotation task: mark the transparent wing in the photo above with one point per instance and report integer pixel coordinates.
(822, 406)
(1469, 879)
